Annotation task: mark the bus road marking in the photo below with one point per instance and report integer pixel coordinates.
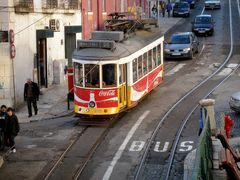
(118, 154)
(161, 147)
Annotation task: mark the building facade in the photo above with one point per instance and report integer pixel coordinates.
(37, 38)
(95, 12)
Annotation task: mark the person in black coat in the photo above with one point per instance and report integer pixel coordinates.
(3, 119)
(12, 129)
(31, 95)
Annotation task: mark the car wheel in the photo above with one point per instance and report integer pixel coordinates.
(197, 50)
(188, 15)
(191, 54)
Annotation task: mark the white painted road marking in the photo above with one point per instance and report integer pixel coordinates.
(186, 145)
(203, 10)
(137, 146)
(225, 72)
(165, 148)
(175, 69)
(123, 145)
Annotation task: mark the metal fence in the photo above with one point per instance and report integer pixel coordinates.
(204, 155)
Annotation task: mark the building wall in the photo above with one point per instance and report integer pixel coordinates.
(6, 85)
(94, 20)
(25, 26)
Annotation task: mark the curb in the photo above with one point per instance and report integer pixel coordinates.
(1, 161)
(53, 117)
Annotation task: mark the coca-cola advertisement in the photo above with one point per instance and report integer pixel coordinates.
(103, 98)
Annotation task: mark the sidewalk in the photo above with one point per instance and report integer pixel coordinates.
(52, 103)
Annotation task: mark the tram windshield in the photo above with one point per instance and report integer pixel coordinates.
(78, 74)
(91, 72)
(109, 75)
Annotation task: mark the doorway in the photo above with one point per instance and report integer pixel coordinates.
(42, 62)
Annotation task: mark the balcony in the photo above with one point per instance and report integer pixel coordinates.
(49, 6)
(71, 4)
(23, 6)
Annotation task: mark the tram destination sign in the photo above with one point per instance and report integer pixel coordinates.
(3, 36)
(104, 44)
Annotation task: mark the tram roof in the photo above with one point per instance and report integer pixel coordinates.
(135, 42)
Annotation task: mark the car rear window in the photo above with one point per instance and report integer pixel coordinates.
(180, 39)
(202, 20)
(181, 5)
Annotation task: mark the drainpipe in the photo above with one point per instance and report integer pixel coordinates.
(14, 86)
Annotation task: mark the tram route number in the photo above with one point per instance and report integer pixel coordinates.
(185, 146)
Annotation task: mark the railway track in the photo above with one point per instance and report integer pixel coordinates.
(75, 157)
(179, 115)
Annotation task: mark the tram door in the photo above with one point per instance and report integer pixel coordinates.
(122, 85)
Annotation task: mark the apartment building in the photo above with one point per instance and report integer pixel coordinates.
(37, 38)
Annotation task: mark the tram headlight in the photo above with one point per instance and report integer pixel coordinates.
(91, 104)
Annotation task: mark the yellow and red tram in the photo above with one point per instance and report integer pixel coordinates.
(111, 76)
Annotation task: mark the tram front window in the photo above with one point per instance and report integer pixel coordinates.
(91, 75)
(78, 74)
(109, 75)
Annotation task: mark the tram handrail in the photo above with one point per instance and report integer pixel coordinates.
(204, 155)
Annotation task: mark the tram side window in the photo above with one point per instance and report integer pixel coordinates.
(91, 75)
(150, 60)
(154, 57)
(140, 63)
(109, 75)
(78, 74)
(145, 65)
(159, 54)
(134, 70)
(122, 74)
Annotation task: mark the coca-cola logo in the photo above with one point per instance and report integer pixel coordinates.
(107, 93)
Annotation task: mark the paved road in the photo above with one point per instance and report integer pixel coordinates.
(41, 142)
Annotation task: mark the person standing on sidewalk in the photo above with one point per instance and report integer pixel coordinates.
(12, 129)
(154, 11)
(3, 120)
(31, 95)
(169, 8)
(163, 7)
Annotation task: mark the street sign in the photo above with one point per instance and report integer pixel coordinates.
(11, 34)
(12, 51)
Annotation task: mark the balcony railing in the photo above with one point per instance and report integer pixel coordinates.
(23, 6)
(71, 4)
(50, 4)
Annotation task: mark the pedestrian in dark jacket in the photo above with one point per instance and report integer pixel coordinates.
(163, 7)
(3, 119)
(12, 129)
(31, 95)
(169, 8)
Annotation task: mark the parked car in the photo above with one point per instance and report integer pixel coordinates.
(190, 2)
(203, 24)
(235, 102)
(181, 9)
(212, 4)
(181, 45)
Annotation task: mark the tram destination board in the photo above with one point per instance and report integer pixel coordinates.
(104, 44)
(3, 36)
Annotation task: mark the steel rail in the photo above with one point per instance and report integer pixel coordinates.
(63, 154)
(92, 150)
(184, 97)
